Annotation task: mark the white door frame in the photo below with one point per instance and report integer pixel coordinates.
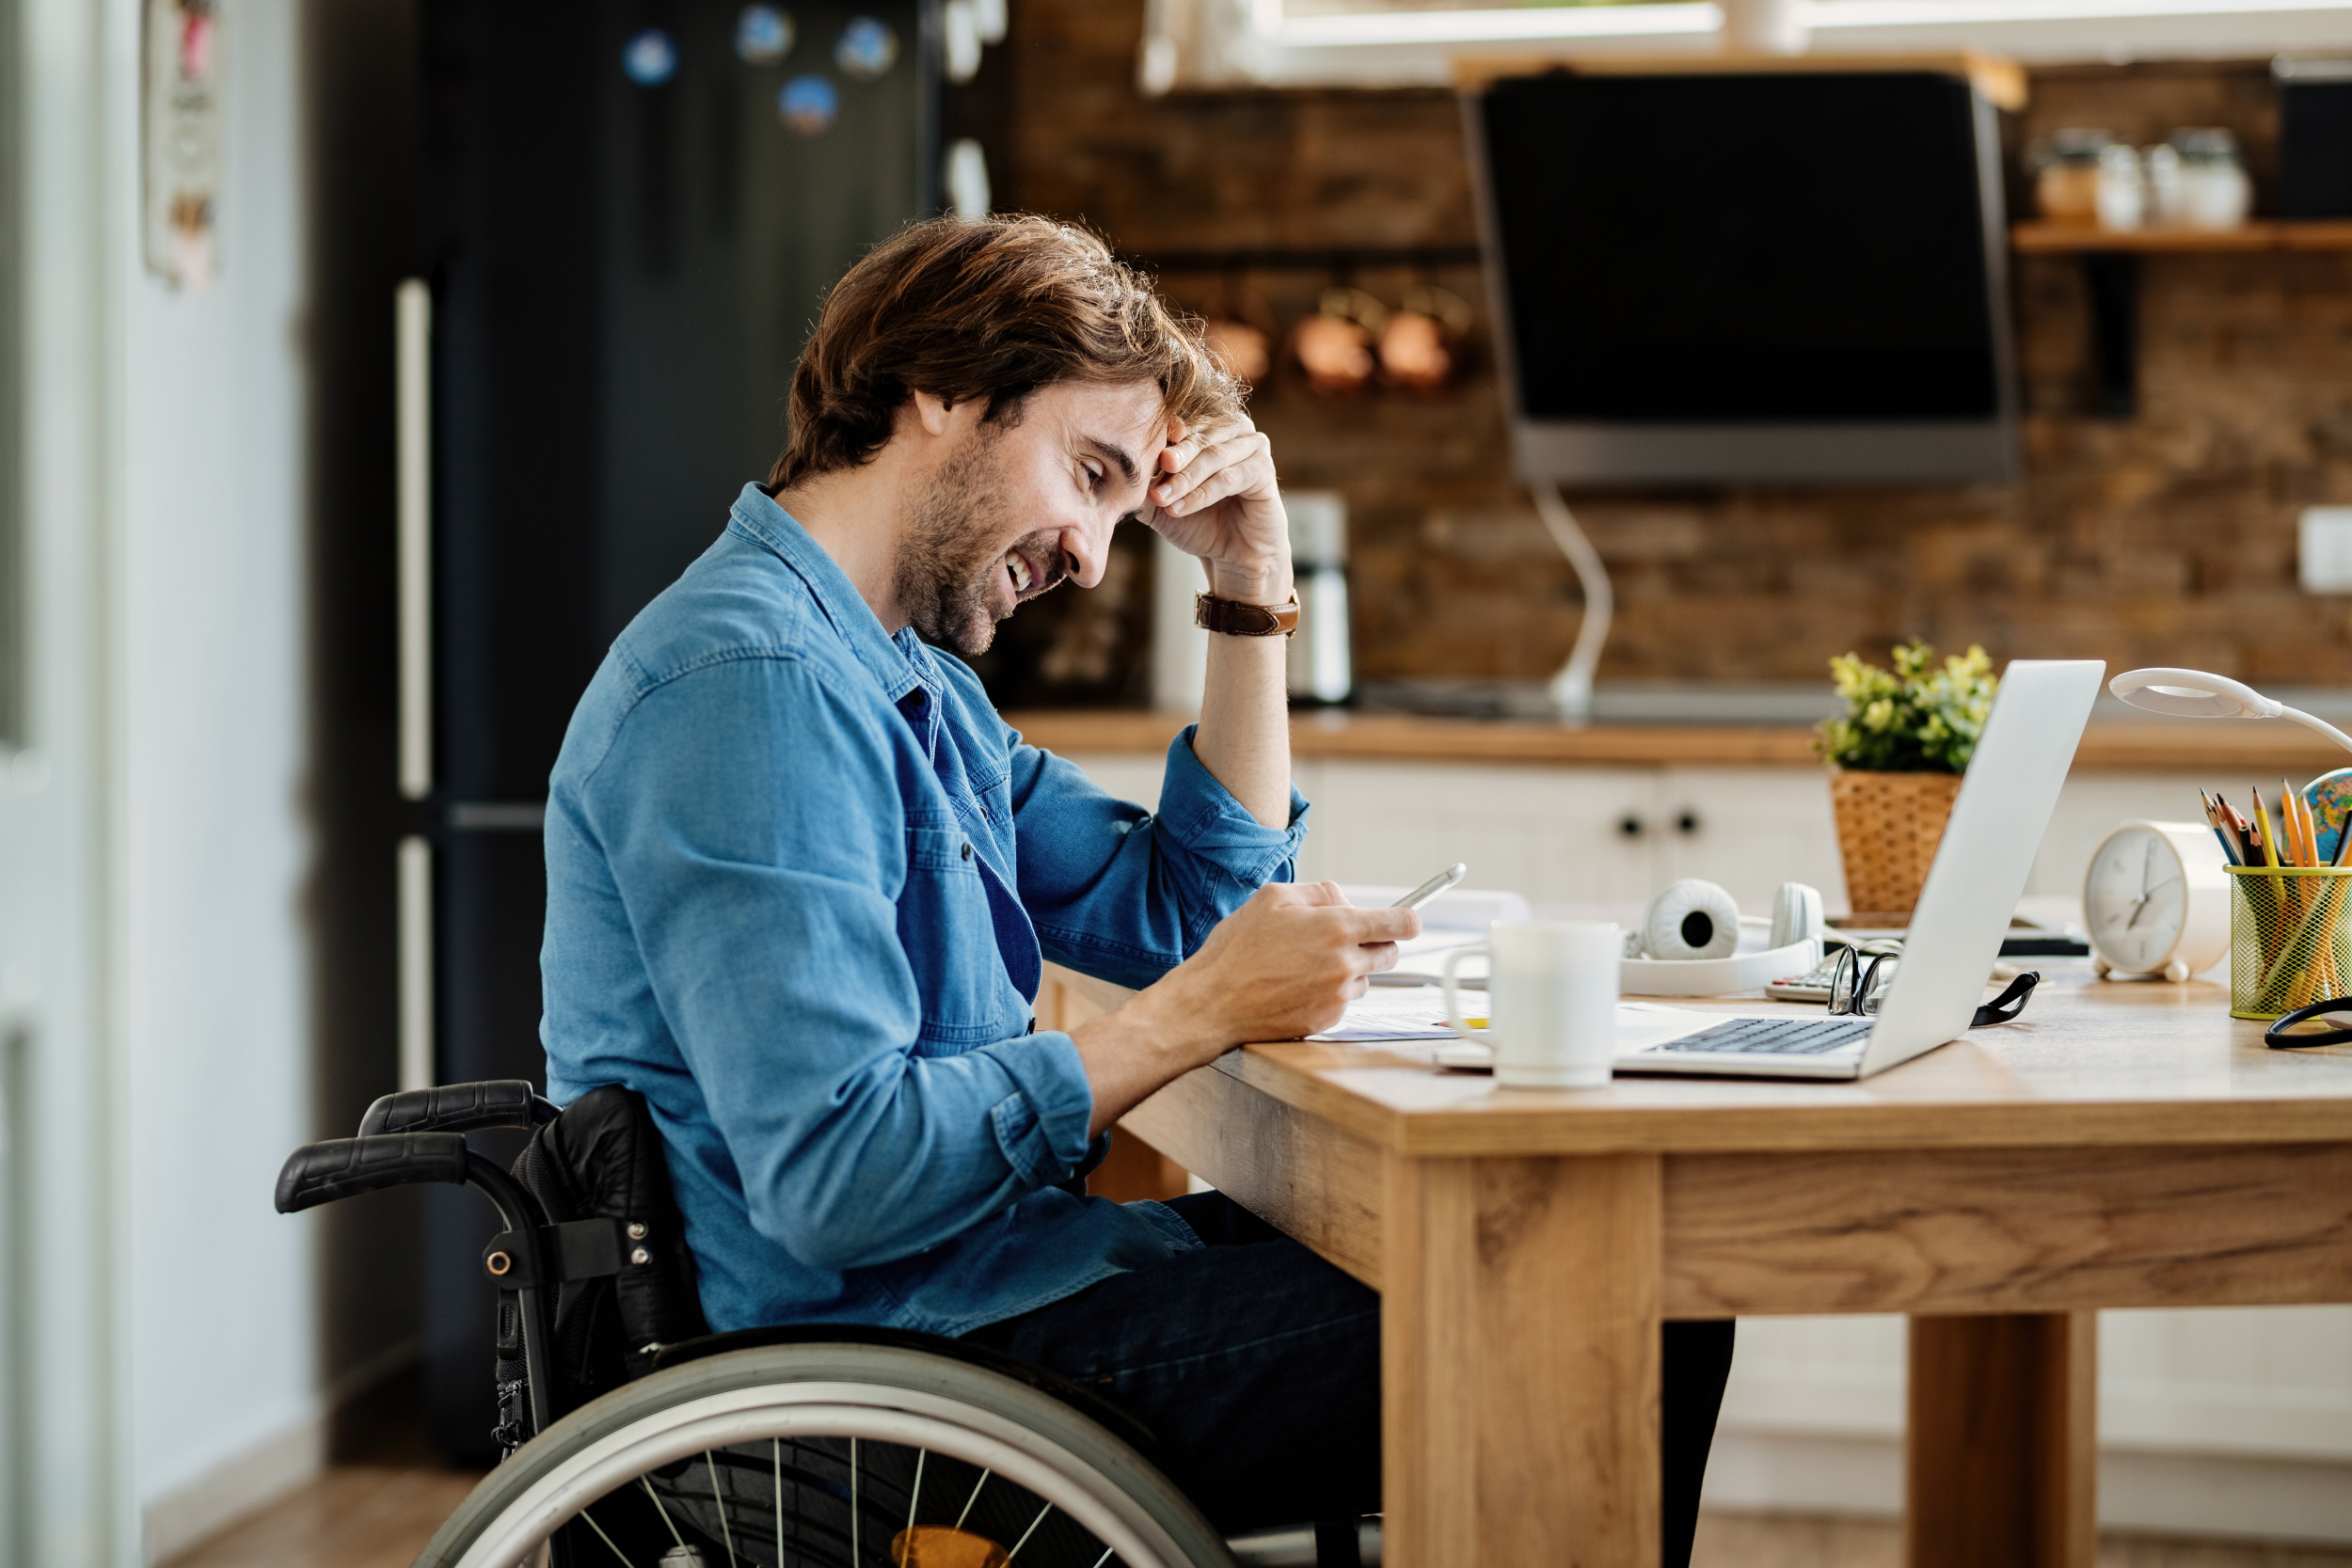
(71, 1502)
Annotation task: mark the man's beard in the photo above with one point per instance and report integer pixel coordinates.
(949, 557)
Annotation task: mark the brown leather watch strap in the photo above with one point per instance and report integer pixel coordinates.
(1235, 619)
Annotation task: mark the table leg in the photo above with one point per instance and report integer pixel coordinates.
(2001, 1456)
(1519, 1362)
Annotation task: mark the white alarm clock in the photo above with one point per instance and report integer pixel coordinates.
(2155, 901)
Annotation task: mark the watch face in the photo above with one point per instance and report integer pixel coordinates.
(2135, 901)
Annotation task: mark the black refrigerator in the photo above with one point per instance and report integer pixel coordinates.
(628, 213)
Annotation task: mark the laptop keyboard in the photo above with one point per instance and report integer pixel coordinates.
(1774, 1037)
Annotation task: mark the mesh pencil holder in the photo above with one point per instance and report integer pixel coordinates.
(2290, 938)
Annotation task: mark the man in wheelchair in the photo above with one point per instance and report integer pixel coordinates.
(802, 879)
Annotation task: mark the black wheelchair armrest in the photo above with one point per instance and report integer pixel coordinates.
(324, 1172)
(459, 1108)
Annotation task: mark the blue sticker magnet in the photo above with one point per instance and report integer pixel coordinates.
(649, 58)
(807, 104)
(867, 48)
(763, 36)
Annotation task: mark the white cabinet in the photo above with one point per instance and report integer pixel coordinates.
(2092, 803)
(1560, 835)
(1750, 829)
(1572, 835)
(1556, 834)
(1131, 776)
(1615, 836)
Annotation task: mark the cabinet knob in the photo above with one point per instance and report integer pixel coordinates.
(1686, 821)
(1629, 826)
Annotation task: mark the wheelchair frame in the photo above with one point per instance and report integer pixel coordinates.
(419, 1136)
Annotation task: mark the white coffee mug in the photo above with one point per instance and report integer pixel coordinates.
(1551, 1002)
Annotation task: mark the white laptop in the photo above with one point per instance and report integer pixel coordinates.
(1955, 934)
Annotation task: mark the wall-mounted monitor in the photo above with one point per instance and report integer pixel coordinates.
(1721, 276)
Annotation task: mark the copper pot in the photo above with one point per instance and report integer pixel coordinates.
(1333, 347)
(1420, 348)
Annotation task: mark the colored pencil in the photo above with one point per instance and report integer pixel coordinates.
(2220, 834)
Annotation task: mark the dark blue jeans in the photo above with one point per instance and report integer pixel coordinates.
(1258, 1366)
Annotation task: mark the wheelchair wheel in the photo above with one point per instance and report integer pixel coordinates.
(826, 1455)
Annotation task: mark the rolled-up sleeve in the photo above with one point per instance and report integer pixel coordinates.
(758, 864)
(1043, 1127)
(1124, 894)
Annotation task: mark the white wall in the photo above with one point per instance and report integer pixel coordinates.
(61, 1357)
(222, 1300)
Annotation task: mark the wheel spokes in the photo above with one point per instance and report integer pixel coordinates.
(606, 1539)
(970, 1500)
(720, 1497)
(805, 1529)
(647, 1481)
(1026, 1533)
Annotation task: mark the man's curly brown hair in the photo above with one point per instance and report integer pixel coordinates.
(995, 308)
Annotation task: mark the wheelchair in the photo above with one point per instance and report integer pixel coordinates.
(633, 1436)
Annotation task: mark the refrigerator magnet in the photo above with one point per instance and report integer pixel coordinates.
(807, 104)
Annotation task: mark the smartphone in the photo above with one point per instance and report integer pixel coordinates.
(1432, 887)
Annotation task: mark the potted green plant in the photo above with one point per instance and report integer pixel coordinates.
(1896, 758)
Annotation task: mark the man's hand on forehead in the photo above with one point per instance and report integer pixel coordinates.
(1213, 495)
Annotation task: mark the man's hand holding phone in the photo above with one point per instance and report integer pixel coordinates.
(1286, 964)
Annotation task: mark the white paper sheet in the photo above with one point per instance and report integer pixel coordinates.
(1419, 1014)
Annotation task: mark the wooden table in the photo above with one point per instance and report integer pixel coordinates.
(2124, 1145)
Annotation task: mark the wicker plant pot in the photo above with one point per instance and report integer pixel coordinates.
(1888, 826)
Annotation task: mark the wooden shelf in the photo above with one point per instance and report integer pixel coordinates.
(2111, 259)
(2069, 239)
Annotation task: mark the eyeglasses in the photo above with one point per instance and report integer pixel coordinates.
(2005, 1007)
(2327, 1023)
(1860, 981)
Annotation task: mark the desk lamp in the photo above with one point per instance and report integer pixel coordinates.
(2194, 694)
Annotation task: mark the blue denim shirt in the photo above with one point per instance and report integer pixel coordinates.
(800, 881)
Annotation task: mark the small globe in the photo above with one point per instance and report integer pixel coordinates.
(2330, 796)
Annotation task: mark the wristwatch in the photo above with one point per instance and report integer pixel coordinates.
(1235, 619)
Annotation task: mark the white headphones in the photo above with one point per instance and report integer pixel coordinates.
(1695, 918)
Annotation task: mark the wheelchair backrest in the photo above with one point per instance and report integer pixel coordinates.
(602, 1159)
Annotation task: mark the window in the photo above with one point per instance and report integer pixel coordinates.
(1212, 44)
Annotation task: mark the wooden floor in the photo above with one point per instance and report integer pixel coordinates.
(354, 1516)
(380, 1515)
(1786, 1541)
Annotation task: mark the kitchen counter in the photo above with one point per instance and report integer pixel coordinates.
(2234, 750)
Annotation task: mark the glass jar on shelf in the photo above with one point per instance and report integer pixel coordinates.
(2123, 194)
(2213, 192)
(2065, 169)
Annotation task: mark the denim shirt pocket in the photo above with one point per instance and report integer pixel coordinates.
(943, 915)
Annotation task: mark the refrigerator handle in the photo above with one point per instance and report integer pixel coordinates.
(415, 919)
(412, 316)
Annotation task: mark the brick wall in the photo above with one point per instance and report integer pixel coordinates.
(2165, 538)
